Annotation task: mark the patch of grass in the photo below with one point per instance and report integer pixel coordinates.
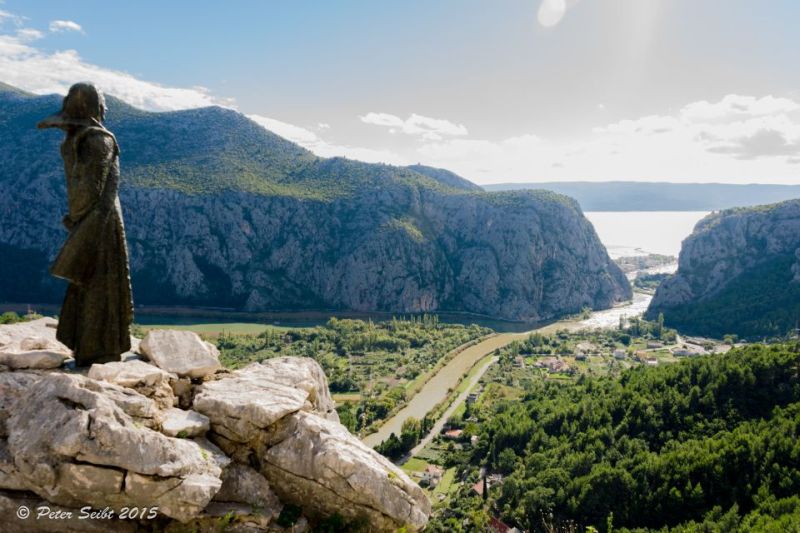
(415, 464)
(217, 329)
(446, 484)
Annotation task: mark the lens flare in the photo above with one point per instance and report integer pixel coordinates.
(551, 12)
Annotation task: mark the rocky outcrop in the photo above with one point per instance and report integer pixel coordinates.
(293, 231)
(180, 423)
(309, 458)
(76, 446)
(180, 352)
(32, 345)
(251, 441)
(144, 378)
(737, 273)
(278, 416)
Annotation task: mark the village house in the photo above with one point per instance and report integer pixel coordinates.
(432, 475)
(453, 434)
(495, 525)
(552, 364)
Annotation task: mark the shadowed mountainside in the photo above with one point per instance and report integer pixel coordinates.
(739, 272)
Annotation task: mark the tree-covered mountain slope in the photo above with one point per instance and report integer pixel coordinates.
(739, 272)
(220, 212)
(709, 444)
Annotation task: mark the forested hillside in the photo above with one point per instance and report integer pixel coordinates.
(738, 272)
(712, 441)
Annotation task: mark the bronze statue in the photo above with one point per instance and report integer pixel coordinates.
(98, 308)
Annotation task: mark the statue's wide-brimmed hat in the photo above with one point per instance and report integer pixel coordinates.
(84, 105)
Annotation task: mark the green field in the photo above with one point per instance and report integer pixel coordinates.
(217, 329)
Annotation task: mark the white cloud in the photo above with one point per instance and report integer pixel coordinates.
(5, 16)
(734, 105)
(427, 128)
(294, 133)
(736, 139)
(311, 141)
(28, 34)
(58, 26)
(40, 72)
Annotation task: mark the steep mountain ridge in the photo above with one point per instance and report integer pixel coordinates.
(738, 272)
(221, 212)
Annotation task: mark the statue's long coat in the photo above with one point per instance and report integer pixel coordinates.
(98, 308)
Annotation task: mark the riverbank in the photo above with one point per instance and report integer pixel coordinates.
(442, 391)
(438, 387)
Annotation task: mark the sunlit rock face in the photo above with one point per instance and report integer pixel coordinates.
(246, 443)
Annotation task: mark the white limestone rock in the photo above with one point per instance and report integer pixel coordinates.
(144, 378)
(241, 484)
(277, 415)
(320, 466)
(246, 401)
(74, 443)
(180, 423)
(180, 352)
(32, 345)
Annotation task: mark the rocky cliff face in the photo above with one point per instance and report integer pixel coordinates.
(737, 273)
(197, 447)
(220, 212)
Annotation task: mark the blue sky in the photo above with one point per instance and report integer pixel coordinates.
(509, 90)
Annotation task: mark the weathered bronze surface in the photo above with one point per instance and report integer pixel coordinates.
(98, 307)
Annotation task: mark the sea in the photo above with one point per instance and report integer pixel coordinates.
(632, 233)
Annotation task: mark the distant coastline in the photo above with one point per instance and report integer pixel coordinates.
(660, 196)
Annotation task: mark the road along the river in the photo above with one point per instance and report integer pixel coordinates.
(438, 387)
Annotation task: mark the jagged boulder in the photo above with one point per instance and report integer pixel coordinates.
(32, 345)
(144, 378)
(319, 463)
(243, 485)
(278, 415)
(245, 402)
(180, 352)
(74, 442)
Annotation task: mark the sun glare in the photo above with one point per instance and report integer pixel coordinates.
(551, 12)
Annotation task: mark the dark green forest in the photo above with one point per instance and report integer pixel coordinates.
(710, 444)
(760, 302)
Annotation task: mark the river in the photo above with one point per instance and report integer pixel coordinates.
(441, 384)
(438, 387)
(624, 234)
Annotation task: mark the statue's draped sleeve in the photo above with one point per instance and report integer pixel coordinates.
(94, 151)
